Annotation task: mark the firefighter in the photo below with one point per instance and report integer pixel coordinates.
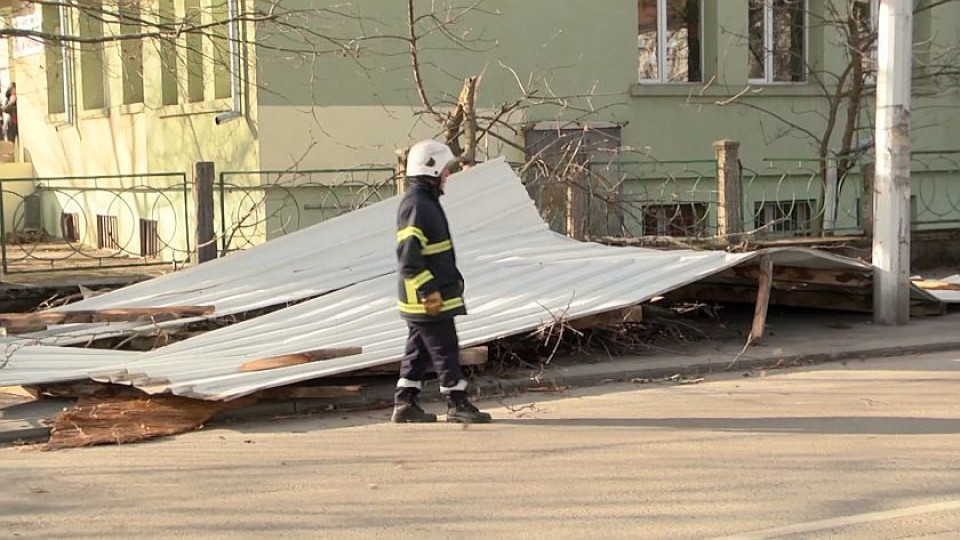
(431, 290)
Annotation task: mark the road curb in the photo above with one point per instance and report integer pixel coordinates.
(381, 395)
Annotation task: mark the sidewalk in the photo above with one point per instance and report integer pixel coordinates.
(792, 339)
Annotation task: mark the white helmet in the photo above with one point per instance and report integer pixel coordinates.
(428, 158)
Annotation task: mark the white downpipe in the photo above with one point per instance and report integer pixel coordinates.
(233, 36)
(831, 195)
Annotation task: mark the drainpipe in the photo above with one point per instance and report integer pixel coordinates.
(233, 37)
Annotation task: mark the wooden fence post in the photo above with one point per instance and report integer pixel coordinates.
(401, 170)
(729, 214)
(206, 238)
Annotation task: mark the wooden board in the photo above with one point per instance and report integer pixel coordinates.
(474, 356)
(20, 322)
(471, 356)
(797, 274)
(764, 284)
(286, 360)
(853, 300)
(309, 392)
(937, 285)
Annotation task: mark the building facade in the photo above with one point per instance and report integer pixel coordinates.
(661, 80)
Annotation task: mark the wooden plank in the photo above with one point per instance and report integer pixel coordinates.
(19, 391)
(763, 299)
(206, 238)
(845, 278)
(937, 285)
(21, 321)
(474, 356)
(471, 356)
(286, 360)
(310, 392)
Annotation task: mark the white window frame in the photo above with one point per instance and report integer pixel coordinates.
(66, 69)
(662, 62)
(768, 45)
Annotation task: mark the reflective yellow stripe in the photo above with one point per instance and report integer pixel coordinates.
(421, 279)
(411, 291)
(403, 234)
(448, 305)
(439, 247)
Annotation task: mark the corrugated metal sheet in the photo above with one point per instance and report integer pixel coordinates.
(311, 262)
(519, 274)
(948, 297)
(23, 362)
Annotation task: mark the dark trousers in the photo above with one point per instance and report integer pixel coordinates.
(430, 343)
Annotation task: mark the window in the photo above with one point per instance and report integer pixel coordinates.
(194, 44)
(91, 57)
(793, 217)
(149, 238)
(56, 62)
(107, 232)
(132, 52)
(668, 40)
(685, 219)
(221, 51)
(70, 225)
(777, 43)
(169, 89)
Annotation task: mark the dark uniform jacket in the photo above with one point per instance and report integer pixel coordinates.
(425, 256)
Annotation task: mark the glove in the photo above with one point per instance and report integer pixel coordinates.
(434, 303)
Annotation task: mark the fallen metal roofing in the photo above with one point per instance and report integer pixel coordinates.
(23, 362)
(520, 276)
(948, 296)
(332, 255)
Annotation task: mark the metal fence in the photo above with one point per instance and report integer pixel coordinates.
(787, 197)
(935, 199)
(83, 222)
(780, 197)
(257, 206)
(70, 223)
(92, 222)
(664, 198)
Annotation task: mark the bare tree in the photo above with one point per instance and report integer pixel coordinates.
(841, 131)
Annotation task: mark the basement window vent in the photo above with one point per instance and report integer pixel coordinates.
(683, 219)
(107, 232)
(149, 239)
(70, 225)
(793, 218)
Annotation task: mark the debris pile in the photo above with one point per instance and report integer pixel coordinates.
(288, 312)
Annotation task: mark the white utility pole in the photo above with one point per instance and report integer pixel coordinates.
(891, 206)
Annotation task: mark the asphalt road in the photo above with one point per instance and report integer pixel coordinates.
(863, 450)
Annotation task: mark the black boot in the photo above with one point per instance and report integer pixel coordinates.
(407, 410)
(460, 410)
(411, 413)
